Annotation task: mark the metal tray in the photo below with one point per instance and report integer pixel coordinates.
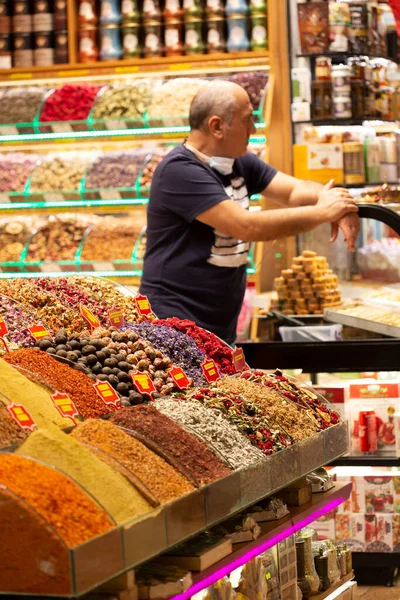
(357, 322)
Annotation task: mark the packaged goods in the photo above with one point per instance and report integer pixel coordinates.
(314, 27)
(186, 449)
(20, 104)
(17, 388)
(69, 103)
(64, 379)
(214, 429)
(156, 474)
(58, 238)
(58, 499)
(339, 20)
(118, 497)
(358, 28)
(124, 100)
(112, 238)
(58, 173)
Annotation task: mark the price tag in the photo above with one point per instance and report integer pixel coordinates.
(39, 332)
(61, 128)
(64, 405)
(143, 382)
(143, 305)
(21, 416)
(89, 316)
(116, 316)
(112, 124)
(107, 393)
(3, 328)
(239, 361)
(210, 370)
(110, 194)
(179, 378)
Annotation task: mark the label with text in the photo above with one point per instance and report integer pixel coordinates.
(107, 393)
(143, 305)
(89, 316)
(179, 377)
(21, 416)
(38, 332)
(210, 370)
(64, 405)
(142, 382)
(239, 361)
(116, 316)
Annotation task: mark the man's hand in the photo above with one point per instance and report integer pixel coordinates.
(350, 225)
(335, 203)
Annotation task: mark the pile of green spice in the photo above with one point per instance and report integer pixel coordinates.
(64, 379)
(71, 513)
(108, 487)
(10, 431)
(187, 450)
(165, 482)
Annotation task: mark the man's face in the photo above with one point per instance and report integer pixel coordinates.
(236, 135)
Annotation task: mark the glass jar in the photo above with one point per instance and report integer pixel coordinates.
(172, 10)
(216, 40)
(130, 40)
(238, 39)
(110, 43)
(192, 8)
(173, 38)
(87, 13)
(236, 7)
(193, 36)
(110, 13)
(130, 12)
(342, 107)
(259, 32)
(323, 66)
(152, 38)
(258, 7)
(214, 8)
(151, 11)
(88, 47)
(341, 80)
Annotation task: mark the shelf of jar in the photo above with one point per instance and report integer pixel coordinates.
(351, 121)
(342, 55)
(140, 65)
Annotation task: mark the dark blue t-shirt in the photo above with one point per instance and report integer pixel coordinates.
(190, 270)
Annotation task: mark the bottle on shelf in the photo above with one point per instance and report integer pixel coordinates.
(151, 10)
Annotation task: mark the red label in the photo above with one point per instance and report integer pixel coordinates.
(21, 416)
(38, 332)
(64, 405)
(335, 395)
(143, 305)
(89, 316)
(116, 316)
(239, 361)
(107, 393)
(3, 328)
(374, 390)
(179, 377)
(210, 370)
(143, 382)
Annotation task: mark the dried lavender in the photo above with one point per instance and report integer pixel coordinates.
(18, 318)
(177, 346)
(213, 428)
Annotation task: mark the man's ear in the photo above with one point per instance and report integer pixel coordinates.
(216, 126)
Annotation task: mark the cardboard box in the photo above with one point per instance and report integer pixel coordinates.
(318, 162)
(384, 400)
(296, 496)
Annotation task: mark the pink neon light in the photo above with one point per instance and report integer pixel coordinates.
(242, 560)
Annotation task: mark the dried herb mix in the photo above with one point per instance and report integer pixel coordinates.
(185, 448)
(108, 487)
(214, 429)
(71, 513)
(160, 478)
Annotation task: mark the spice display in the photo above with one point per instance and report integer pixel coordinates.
(173, 98)
(104, 291)
(15, 168)
(76, 460)
(308, 287)
(47, 307)
(58, 238)
(64, 379)
(177, 346)
(18, 318)
(36, 399)
(190, 452)
(115, 170)
(214, 429)
(112, 238)
(141, 249)
(14, 233)
(246, 416)
(10, 432)
(20, 104)
(59, 173)
(72, 514)
(282, 414)
(69, 103)
(254, 83)
(151, 165)
(207, 342)
(17, 516)
(159, 477)
(124, 100)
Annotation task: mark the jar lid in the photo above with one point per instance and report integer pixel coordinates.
(215, 18)
(172, 22)
(190, 20)
(130, 24)
(152, 22)
(235, 16)
(109, 27)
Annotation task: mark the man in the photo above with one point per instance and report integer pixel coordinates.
(199, 226)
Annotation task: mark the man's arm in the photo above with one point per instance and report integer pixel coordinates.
(228, 218)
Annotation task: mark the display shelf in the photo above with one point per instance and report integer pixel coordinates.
(271, 534)
(341, 55)
(366, 461)
(343, 583)
(351, 121)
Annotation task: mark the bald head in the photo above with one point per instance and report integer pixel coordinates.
(216, 99)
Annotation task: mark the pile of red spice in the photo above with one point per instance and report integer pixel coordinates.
(69, 103)
(207, 342)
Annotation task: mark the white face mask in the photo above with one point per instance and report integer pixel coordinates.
(222, 164)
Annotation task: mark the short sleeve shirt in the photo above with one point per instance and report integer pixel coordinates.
(190, 270)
